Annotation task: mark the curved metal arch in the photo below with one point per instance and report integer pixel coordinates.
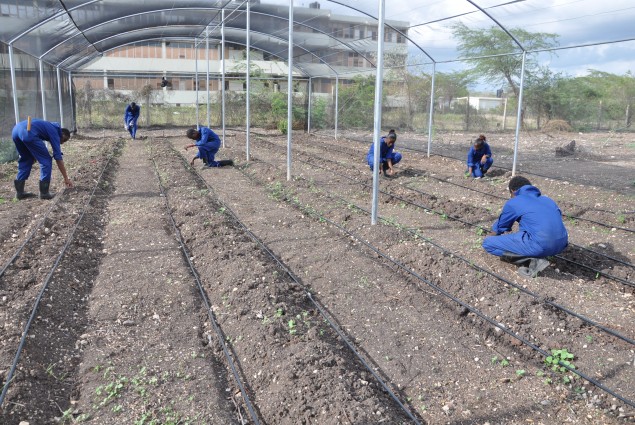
(82, 32)
(518, 43)
(388, 25)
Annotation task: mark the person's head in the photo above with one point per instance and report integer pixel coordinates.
(193, 134)
(391, 138)
(65, 136)
(478, 143)
(516, 183)
(133, 105)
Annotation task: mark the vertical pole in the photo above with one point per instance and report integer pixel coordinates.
(248, 88)
(434, 74)
(43, 90)
(196, 79)
(379, 77)
(222, 50)
(519, 114)
(337, 85)
(209, 118)
(308, 126)
(73, 122)
(505, 114)
(290, 91)
(16, 107)
(59, 96)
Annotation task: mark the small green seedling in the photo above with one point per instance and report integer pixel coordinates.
(559, 359)
(292, 328)
(520, 372)
(589, 339)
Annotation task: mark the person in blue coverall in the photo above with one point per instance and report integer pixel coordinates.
(541, 229)
(387, 156)
(31, 147)
(208, 144)
(130, 117)
(479, 158)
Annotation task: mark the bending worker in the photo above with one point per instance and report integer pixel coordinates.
(31, 147)
(130, 117)
(479, 158)
(208, 144)
(541, 229)
(387, 156)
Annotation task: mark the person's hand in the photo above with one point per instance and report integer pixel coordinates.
(491, 233)
(483, 160)
(390, 171)
(187, 146)
(467, 174)
(68, 183)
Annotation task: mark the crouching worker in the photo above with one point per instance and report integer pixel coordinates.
(387, 156)
(29, 142)
(541, 230)
(208, 144)
(479, 158)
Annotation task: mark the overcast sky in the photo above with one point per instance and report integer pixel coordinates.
(577, 22)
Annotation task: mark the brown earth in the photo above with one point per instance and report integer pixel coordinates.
(122, 334)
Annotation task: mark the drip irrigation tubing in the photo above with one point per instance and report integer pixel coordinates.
(507, 169)
(496, 276)
(210, 313)
(597, 272)
(47, 280)
(317, 304)
(468, 306)
(35, 229)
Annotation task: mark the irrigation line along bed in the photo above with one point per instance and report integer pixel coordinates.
(47, 280)
(426, 208)
(39, 224)
(210, 313)
(316, 303)
(496, 276)
(472, 309)
(405, 148)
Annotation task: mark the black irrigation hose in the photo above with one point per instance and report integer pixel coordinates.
(46, 282)
(598, 272)
(507, 169)
(471, 308)
(210, 313)
(308, 294)
(501, 278)
(617, 260)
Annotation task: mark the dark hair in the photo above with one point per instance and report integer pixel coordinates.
(517, 182)
(192, 133)
(392, 135)
(133, 104)
(66, 133)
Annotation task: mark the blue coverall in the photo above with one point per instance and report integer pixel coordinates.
(385, 152)
(130, 119)
(541, 230)
(208, 144)
(31, 147)
(474, 157)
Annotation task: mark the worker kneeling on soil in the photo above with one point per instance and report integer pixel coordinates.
(479, 158)
(387, 156)
(28, 137)
(541, 230)
(208, 144)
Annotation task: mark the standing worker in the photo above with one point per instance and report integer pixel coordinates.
(541, 230)
(208, 144)
(130, 118)
(387, 156)
(28, 137)
(479, 158)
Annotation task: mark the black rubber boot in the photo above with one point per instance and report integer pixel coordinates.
(19, 190)
(516, 259)
(225, 162)
(44, 190)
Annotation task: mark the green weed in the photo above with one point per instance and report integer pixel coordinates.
(559, 359)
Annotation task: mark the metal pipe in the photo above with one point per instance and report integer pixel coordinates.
(379, 77)
(290, 91)
(42, 89)
(59, 96)
(434, 74)
(73, 125)
(248, 88)
(222, 32)
(337, 85)
(209, 118)
(519, 114)
(196, 80)
(16, 107)
(308, 126)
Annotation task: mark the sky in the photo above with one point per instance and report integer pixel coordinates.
(577, 23)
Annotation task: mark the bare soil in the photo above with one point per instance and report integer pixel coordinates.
(122, 333)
